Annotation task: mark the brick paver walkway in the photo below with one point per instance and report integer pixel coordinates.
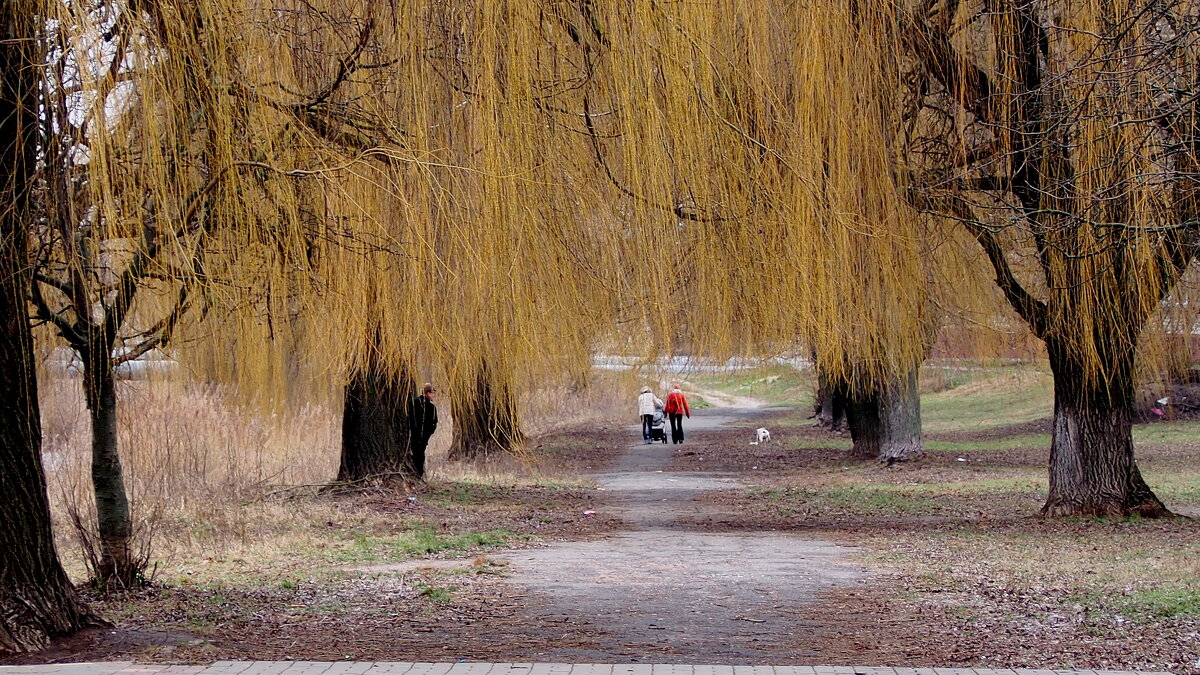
(399, 668)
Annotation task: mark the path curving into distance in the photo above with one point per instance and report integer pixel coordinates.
(666, 593)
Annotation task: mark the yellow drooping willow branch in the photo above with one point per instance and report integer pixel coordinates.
(528, 181)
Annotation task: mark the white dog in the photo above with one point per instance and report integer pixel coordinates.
(763, 435)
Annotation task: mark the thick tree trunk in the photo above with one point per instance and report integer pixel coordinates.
(1092, 468)
(116, 561)
(375, 426)
(885, 422)
(485, 422)
(37, 601)
(902, 410)
(866, 427)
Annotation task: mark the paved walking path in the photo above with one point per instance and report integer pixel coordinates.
(398, 668)
(667, 591)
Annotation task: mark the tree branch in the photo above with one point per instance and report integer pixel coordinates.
(64, 287)
(346, 66)
(131, 277)
(679, 210)
(160, 334)
(1033, 311)
(67, 329)
(967, 84)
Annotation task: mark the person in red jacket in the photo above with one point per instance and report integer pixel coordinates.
(676, 409)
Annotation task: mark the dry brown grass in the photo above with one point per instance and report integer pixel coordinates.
(196, 464)
(210, 478)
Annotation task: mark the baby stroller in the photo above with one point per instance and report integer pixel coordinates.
(657, 432)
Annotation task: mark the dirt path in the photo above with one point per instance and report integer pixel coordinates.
(677, 593)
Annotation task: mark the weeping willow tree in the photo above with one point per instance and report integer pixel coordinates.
(799, 198)
(1063, 138)
(158, 200)
(489, 228)
(763, 150)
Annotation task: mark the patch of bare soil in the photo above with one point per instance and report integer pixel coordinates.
(734, 451)
(970, 617)
(580, 453)
(962, 629)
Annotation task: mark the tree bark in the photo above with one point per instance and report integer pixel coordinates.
(830, 403)
(37, 601)
(376, 425)
(885, 421)
(116, 562)
(866, 426)
(485, 422)
(1092, 467)
(901, 412)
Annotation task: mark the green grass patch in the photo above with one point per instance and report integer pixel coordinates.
(1021, 442)
(1022, 481)
(1174, 601)
(813, 443)
(1012, 396)
(461, 493)
(1167, 603)
(418, 542)
(427, 541)
(872, 500)
(1176, 488)
(439, 594)
(850, 494)
(1166, 433)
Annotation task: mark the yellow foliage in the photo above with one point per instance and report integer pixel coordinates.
(527, 181)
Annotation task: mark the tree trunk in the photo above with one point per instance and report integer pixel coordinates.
(37, 601)
(901, 412)
(485, 422)
(116, 562)
(866, 427)
(831, 402)
(885, 421)
(1092, 469)
(375, 426)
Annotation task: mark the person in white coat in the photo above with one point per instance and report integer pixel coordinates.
(647, 404)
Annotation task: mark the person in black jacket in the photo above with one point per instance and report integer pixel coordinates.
(423, 422)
